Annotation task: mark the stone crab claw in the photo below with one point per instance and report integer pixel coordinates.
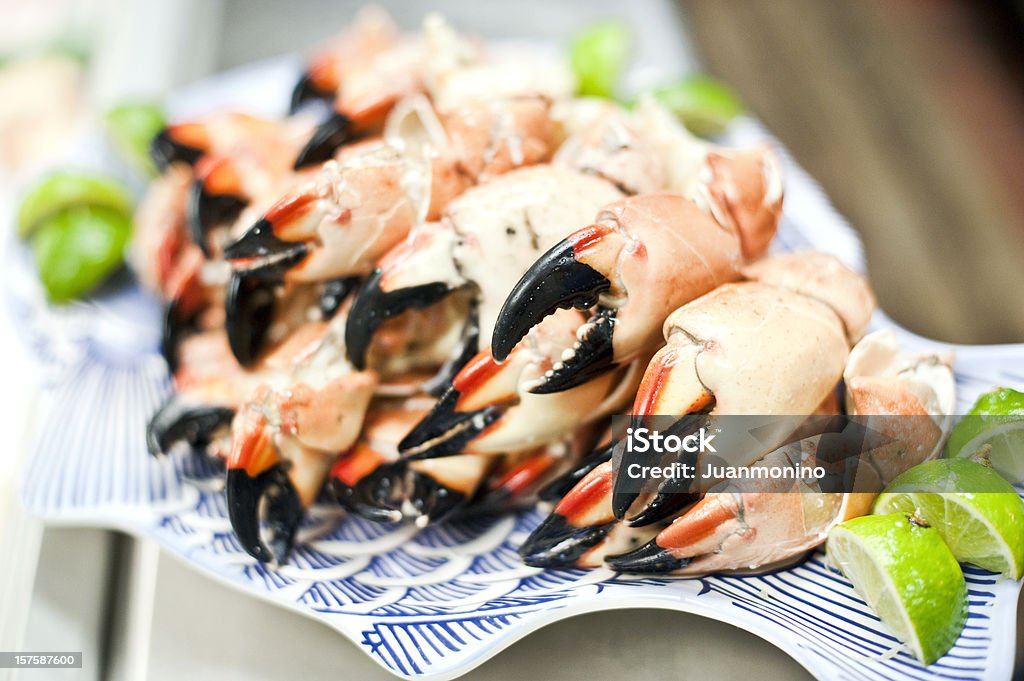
(337, 224)
(643, 257)
(257, 477)
(774, 345)
(371, 33)
(489, 410)
(234, 157)
(760, 523)
(285, 437)
(476, 247)
(582, 529)
(372, 481)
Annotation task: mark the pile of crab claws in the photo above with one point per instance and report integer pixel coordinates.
(373, 305)
(648, 558)
(283, 509)
(557, 280)
(328, 137)
(176, 421)
(165, 150)
(445, 431)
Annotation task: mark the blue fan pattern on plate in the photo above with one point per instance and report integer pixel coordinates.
(437, 602)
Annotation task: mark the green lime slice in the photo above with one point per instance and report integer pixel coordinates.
(996, 419)
(597, 56)
(704, 105)
(908, 576)
(78, 248)
(65, 189)
(132, 127)
(976, 511)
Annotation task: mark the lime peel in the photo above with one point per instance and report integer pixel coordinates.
(907, 575)
(979, 515)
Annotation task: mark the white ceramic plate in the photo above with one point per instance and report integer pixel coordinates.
(438, 602)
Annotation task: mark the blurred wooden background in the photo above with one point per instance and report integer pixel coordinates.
(911, 114)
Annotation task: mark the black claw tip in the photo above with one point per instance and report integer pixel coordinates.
(283, 509)
(164, 151)
(373, 305)
(432, 500)
(326, 139)
(334, 294)
(444, 431)
(558, 544)
(206, 211)
(305, 91)
(259, 241)
(648, 558)
(377, 496)
(176, 422)
(592, 356)
(621, 502)
(248, 307)
(673, 494)
(556, 280)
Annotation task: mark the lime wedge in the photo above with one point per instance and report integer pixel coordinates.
(703, 104)
(66, 189)
(996, 419)
(598, 55)
(78, 249)
(976, 511)
(908, 576)
(132, 127)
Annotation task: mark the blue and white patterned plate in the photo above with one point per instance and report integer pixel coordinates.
(438, 602)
